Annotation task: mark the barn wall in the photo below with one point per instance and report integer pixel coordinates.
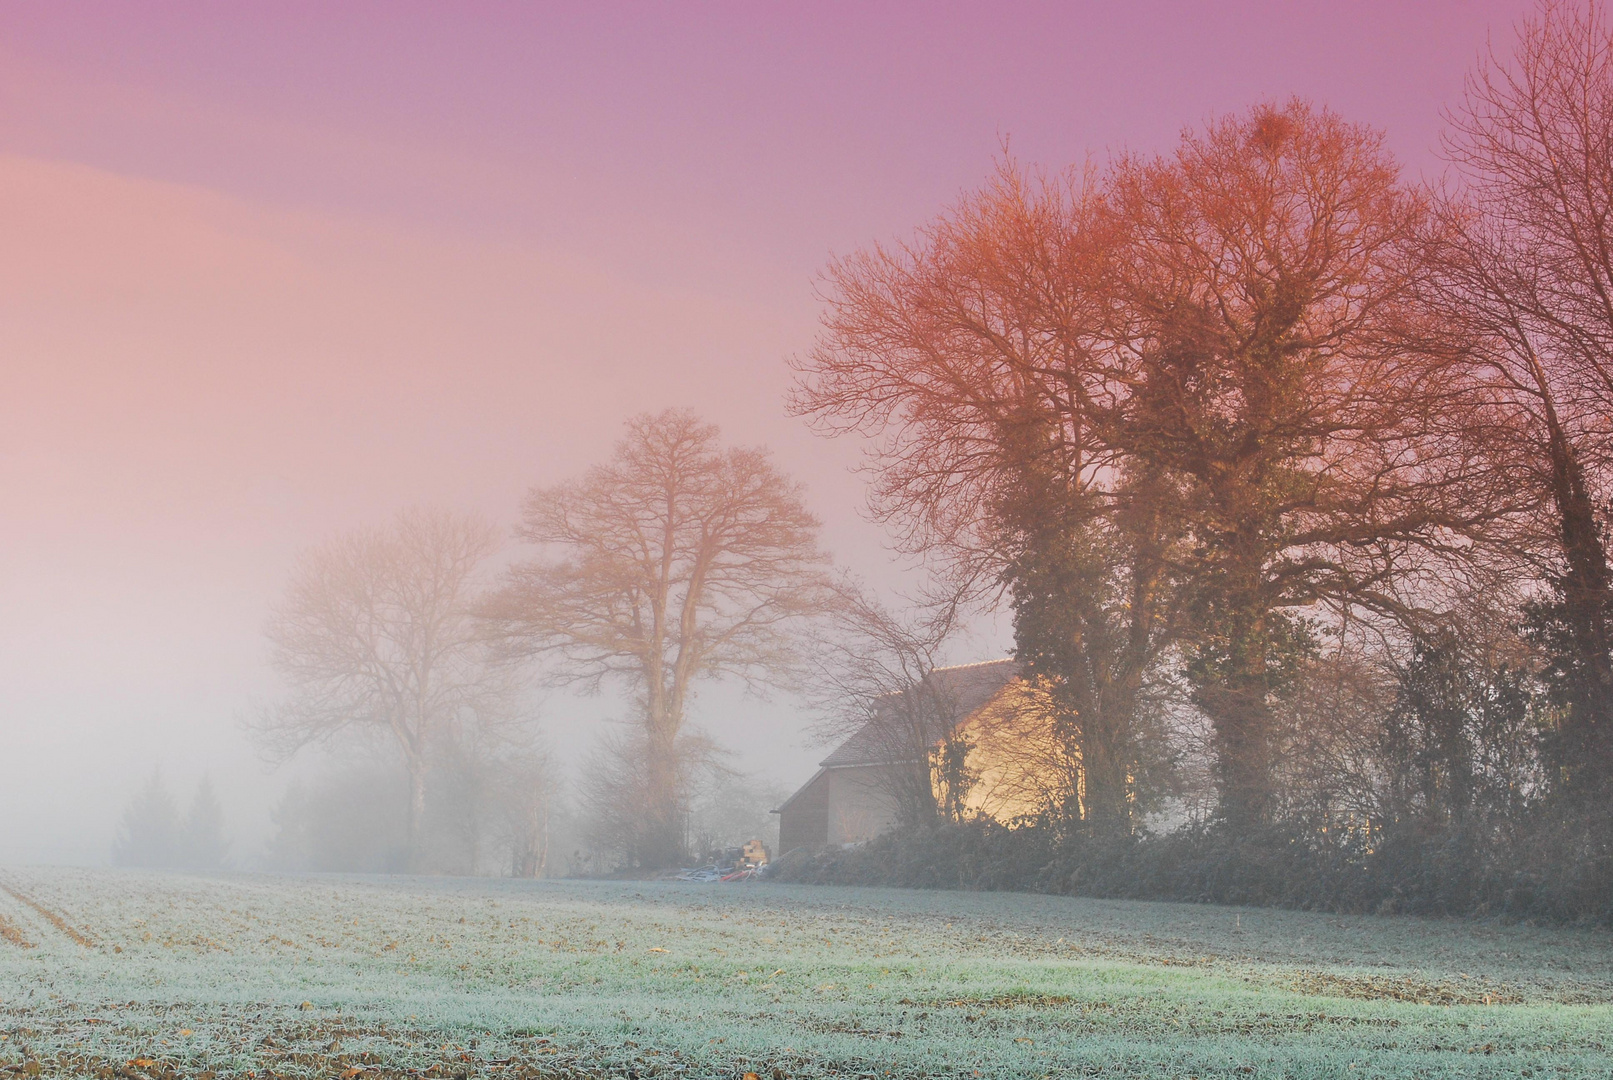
(861, 805)
(1022, 764)
(804, 823)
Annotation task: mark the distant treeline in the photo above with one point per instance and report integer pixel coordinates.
(153, 832)
(676, 561)
(1297, 477)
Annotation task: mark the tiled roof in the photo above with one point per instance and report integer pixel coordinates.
(965, 689)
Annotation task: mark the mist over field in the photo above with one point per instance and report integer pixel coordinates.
(954, 540)
(274, 275)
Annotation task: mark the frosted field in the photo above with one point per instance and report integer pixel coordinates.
(121, 973)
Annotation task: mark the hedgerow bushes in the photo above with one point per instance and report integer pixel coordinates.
(1447, 872)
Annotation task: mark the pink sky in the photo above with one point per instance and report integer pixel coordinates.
(270, 271)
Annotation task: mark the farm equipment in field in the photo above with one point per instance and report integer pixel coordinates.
(732, 864)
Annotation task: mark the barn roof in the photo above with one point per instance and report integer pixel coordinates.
(966, 688)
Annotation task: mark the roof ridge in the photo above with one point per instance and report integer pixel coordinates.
(975, 663)
(966, 696)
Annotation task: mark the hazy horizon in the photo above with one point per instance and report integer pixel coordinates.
(277, 273)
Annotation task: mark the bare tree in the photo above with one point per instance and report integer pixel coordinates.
(617, 779)
(377, 634)
(1266, 287)
(1532, 278)
(524, 791)
(982, 353)
(1207, 374)
(675, 561)
(872, 680)
(492, 791)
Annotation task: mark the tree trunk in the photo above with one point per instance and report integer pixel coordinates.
(1104, 768)
(1236, 703)
(417, 814)
(661, 840)
(1241, 720)
(531, 853)
(1585, 599)
(541, 862)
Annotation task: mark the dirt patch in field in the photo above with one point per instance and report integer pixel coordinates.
(9, 932)
(852, 1027)
(1007, 1001)
(54, 918)
(1401, 988)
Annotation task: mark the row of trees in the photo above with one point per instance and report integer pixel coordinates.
(1294, 474)
(1265, 444)
(677, 560)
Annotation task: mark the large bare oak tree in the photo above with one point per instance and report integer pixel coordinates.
(676, 560)
(1184, 401)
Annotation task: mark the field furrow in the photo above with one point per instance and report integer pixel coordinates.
(53, 917)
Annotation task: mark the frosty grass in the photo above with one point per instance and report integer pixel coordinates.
(354, 976)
